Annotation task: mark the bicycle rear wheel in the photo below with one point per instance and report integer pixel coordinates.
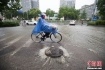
(56, 37)
(36, 37)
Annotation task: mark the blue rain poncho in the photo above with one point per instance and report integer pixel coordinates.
(44, 26)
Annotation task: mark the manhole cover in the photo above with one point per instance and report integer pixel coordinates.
(54, 52)
(59, 54)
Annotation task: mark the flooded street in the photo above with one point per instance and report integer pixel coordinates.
(83, 44)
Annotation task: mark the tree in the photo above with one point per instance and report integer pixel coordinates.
(33, 13)
(3, 4)
(68, 13)
(101, 8)
(8, 8)
(9, 15)
(83, 15)
(12, 5)
(50, 12)
(60, 15)
(25, 15)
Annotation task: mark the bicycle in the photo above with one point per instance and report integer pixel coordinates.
(54, 37)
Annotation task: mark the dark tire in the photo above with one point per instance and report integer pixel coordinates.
(56, 38)
(36, 37)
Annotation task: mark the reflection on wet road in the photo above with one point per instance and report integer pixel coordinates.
(83, 43)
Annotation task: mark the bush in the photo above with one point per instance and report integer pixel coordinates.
(91, 23)
(100, 22)
(8, 24)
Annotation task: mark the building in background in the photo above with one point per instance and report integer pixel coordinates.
(28, 4)
(91, 10)
(68, 3)
(95, 11)
(35, 4)
(84, 6)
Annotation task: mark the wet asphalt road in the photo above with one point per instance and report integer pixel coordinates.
(19, 52)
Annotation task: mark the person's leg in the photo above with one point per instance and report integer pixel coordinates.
(46, 35)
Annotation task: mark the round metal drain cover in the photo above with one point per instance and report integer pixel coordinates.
(54, 52)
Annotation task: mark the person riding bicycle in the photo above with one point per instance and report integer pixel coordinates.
(44, 26)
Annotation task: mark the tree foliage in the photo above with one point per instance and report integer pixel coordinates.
(33, 13)
(3, 4)
(83, 15)
(8, 15)
(101, 8)
(50, 12)
(68, 13)
(9, 8)
(12, 5)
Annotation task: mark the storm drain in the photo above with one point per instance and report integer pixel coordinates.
(57, 53)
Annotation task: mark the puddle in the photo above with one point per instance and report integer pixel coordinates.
(50, 54)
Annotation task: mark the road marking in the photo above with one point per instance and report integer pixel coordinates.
(27, 44)
(11, 42)
(16, 51)
(7, 37)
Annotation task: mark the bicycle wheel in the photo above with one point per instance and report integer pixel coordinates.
(36, 37)
(56, 37)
